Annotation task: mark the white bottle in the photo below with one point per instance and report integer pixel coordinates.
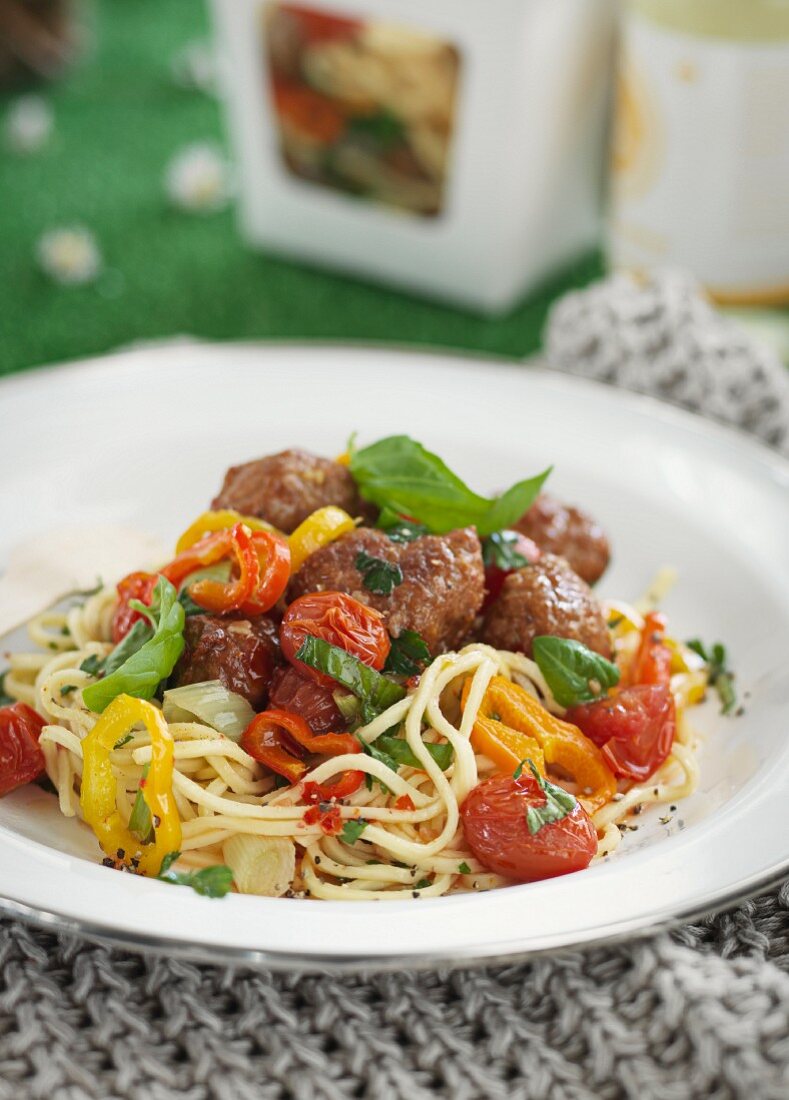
(701, 145)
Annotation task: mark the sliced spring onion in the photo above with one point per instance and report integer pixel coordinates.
(262, 865)
(209, 702)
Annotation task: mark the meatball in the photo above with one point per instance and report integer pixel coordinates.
(561, 529)
(242, 653)
(545, 598)
(312, 702)
(285, 488)
(442, 589)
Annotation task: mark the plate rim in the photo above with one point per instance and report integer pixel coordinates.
(53, 919)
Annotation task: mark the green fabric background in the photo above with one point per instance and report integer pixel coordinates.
(119, 118)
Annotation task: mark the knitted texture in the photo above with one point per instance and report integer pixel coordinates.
(700, 1013)
(661, 336)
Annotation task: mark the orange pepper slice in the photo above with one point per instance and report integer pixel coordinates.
(510, 707)
(505, 746)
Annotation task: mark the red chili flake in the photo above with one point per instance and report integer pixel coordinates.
(328, 817)
(404, 802)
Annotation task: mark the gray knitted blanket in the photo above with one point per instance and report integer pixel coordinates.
(702, 1012)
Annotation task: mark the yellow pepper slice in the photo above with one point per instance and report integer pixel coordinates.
(317, 531)
(98, 791)
(509, 705)
(220, 520)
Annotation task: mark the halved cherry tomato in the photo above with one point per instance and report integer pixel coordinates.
(313, 702)
(280, 740)
(495, 576)
(340, 620)
(273, 555)
(137, 586)
(494, 822)
(652, 664)
(348, 783)
(21, 758)
(634, 728)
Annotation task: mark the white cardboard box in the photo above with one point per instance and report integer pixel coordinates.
(523, 178)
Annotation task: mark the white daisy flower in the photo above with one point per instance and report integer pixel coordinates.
(198, 179)
(28, 124)
(69, 255)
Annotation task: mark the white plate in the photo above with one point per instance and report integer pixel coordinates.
(142, 439)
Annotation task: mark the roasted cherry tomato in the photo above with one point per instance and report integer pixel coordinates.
(494, 821)
(137, 586)
(652, 664)
(21, 758)
(340, 620)
(634, 728)
(496, 552)
(313, 702)
(273, 555)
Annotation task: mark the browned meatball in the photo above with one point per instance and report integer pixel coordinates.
(240, 652)
(441, 592)
(561, 529)
(287, 487)
(545, 598)
(312, 702)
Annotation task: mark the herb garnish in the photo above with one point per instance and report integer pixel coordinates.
(574, 673)
(463, 868)
(501, 549)
(210, 882)
(399, 752)
(375, 692)
(721, 677)
(127, 737)
(400, 475)
(352, 830)
(93, 665)
(378, 576)
(142, 671)
(409, 654)
(558, 804)
(67, 689)
(399, 529)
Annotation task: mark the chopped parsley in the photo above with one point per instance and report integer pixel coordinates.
(127, 737)
(721, 677)
(463, 868)
(67, 689)
(501, 549)
(409, 654)
(210, 882)
(378, 576)
(93, 665)
(352, 830)
(401, 530)
(422, 884)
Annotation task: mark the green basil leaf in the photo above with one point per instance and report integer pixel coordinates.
(401, 476)
(463, 868)
(374, 691)
(501, 549)
(378, 575)
(399, 751)
(352, 830)
(140, 633)
(93, 665)
(399, 529)
(142, 672)
(210, 882)
(140, 823)
(574, 673)
(408, 656)
(558, 804)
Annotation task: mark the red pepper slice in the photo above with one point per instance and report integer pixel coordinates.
(279, 739)
(652, 664)
(219, 596)
(273, 555)
(346, 784)
(137, 586)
